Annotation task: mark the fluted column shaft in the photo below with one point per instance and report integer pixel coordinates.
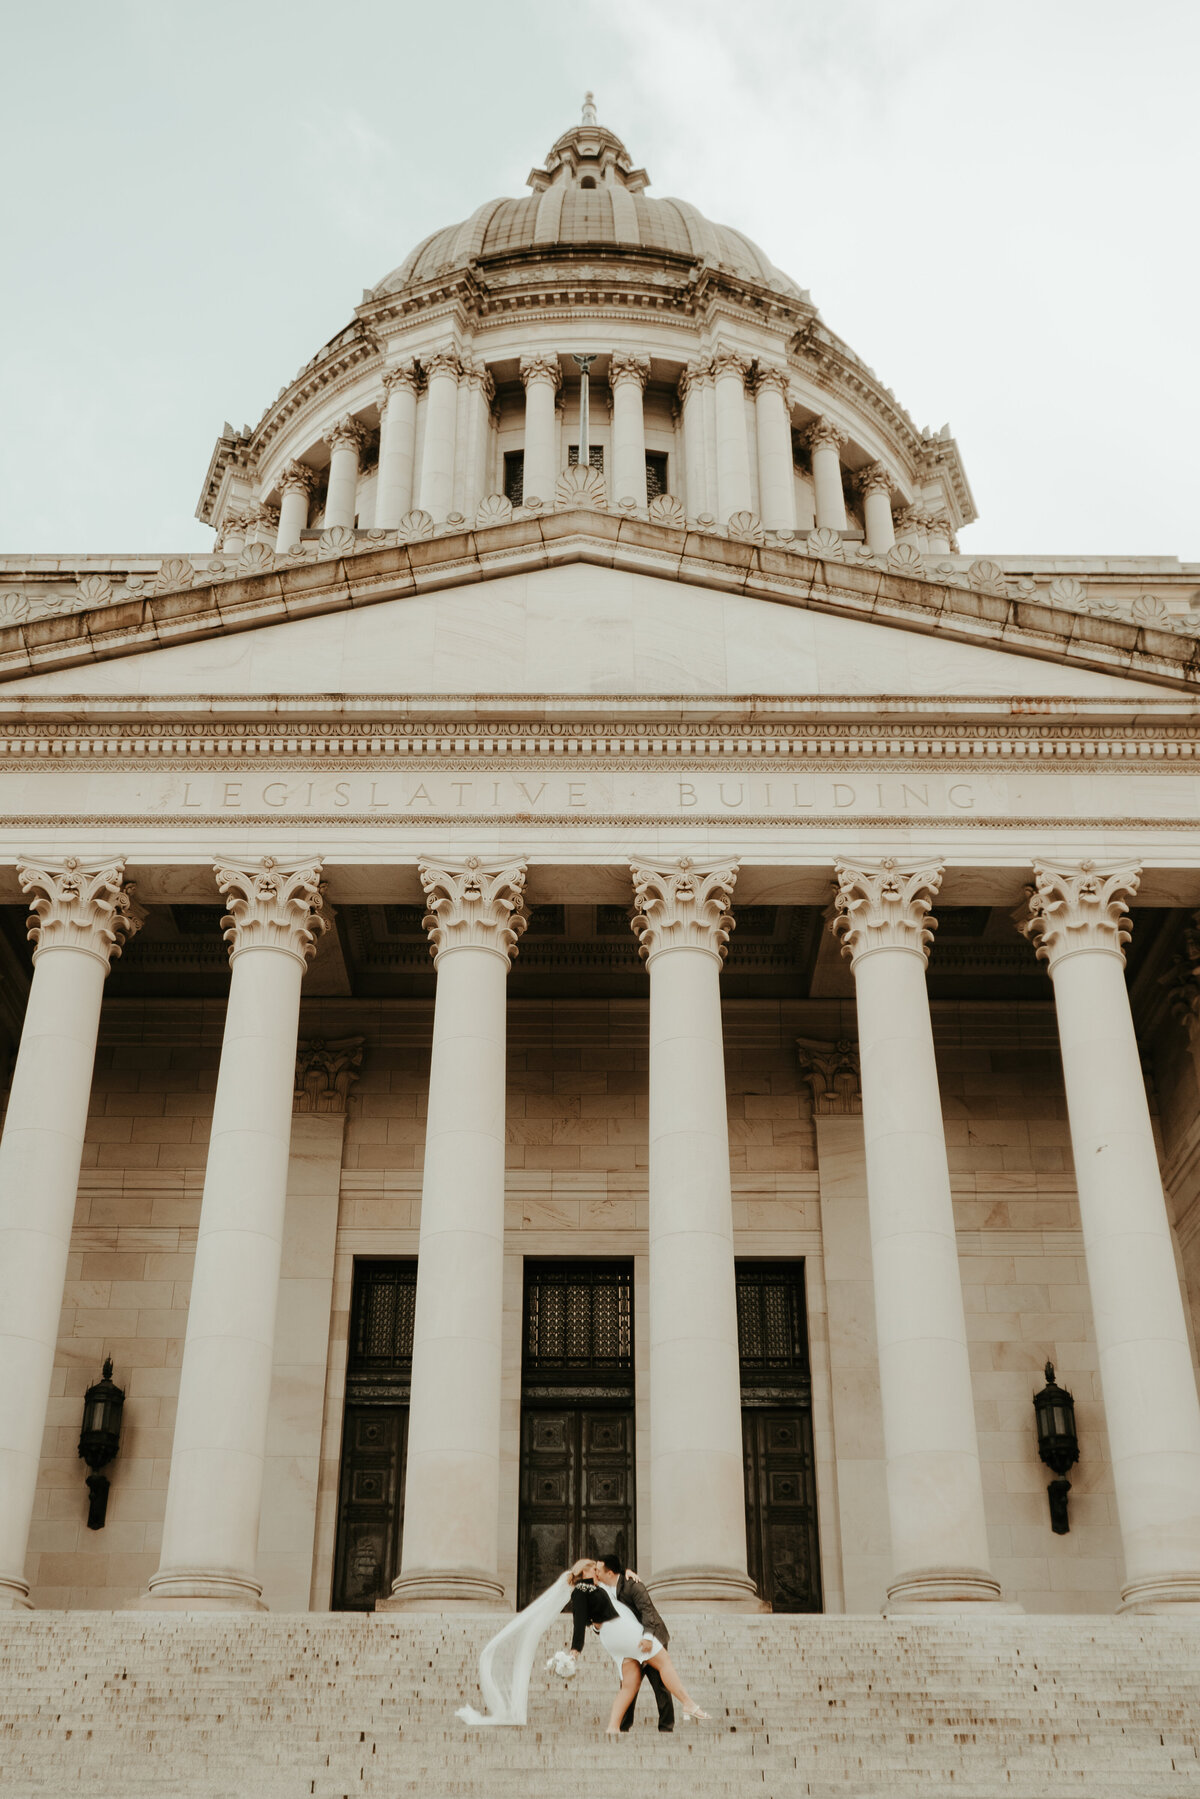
(214, 1494)
(776, 481)
(295, 491)
(345, 444)
(825, 441)
(79, 919)
(481, 391)
(436, 490)
(935, 1490)
(733, 448)
(697, 1491)
(877, 509)
(1077, 920)
(450, 1551)
(691, 385)
(542, 381)
(397, 446)
(627, 378)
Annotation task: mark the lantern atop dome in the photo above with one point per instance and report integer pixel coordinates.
(589, 155)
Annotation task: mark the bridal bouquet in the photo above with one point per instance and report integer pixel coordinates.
(563, 1663)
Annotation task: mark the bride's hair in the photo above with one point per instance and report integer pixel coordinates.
(575, 1574)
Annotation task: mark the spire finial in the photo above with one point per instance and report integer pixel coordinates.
(589, 108)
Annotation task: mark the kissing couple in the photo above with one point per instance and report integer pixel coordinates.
(599, 1593)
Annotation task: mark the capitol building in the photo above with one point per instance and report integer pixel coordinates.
(585, 980)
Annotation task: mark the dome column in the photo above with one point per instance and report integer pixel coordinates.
(481, 390)
(296, 483)
(875, 488)
(695, 377)
(825, 441)
(436, 491)
(776, 482)
(543, 378)
(627, 378)
(397, 445)
(345, 442)
(733, 447)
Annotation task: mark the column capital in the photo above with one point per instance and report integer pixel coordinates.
(832, 1072)
(623, 365)
(401, 375)
(80, 905)
(346, 434)
(883, 906)
(445, 361)
(541, 368)
(697, 374)
(770, 376)
(262, 514)
(1182, 979)
(874, 479)
(296, 477)
(478, 375)
(474, 906)
(823, 434)
(682, 906)
(1078, 906)
(271, 906)
(325, 1073)
(728, 361)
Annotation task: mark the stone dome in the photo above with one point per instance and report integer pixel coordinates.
(588, 197)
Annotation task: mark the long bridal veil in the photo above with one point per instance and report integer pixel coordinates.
(506, 1662)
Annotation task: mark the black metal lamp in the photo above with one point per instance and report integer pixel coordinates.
(100, 1438)
(1058, 1444)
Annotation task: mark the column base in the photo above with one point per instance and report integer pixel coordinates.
(444, 1590)
(706, 1590)
(1167, 1595)
(195, 1590)
(942, 1590)
(14, 1594)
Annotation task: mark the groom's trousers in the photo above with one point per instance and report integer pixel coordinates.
(666, 1705)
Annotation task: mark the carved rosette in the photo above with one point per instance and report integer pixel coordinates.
(271, 907)
(325, 1073)
(768, 376)
(472, 906)
(297, 477)
(347, 434)
(1079, 908)
(80, 905)
(883, 906)
(832, 1072)
(400, 377)
(874, 479)
(823, 434)
(622, 366)
(541, 368)
(683, 907)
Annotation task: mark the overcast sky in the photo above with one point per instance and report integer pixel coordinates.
(993, 201)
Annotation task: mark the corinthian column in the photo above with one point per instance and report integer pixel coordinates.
(1077, 919)
(697, 1491)
(450, 1552)
(825, 441)
(477, 413)
(214, 1494)
(441, 419)
(296, 482)
(876, 490)
(776, 481)
(543, 378)
(935, 1492)
(627, 378)
(691, 395)
(397, 445)
(733, 446)
(345, 442)
(79, 920)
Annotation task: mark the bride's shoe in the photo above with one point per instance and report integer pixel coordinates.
(695, 1715)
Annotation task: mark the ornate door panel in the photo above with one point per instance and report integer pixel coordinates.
(576, 1490)
(781, 1507)
(370, 1505)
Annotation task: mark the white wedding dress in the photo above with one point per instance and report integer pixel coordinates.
(506, 1662)
(622, 1635)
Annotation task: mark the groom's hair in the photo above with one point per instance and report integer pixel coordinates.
(613, 1563)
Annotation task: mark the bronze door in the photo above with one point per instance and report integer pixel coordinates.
(576, 1491)
(370, 1506)
(781, 1507)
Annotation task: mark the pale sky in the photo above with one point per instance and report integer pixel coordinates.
(994, 202)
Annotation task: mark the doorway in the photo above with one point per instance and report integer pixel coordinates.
(374, 1434)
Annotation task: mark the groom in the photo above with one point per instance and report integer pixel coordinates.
(626, 1587)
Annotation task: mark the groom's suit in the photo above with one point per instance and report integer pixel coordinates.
(632, 1592)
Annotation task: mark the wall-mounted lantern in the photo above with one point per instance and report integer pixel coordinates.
(99, 1439)
(1058, 1444)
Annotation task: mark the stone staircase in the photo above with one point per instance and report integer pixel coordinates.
(113, 1705)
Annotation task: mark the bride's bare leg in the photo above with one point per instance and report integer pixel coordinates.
(671, 1680)
(631, 1680)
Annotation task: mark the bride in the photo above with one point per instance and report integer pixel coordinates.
(506, 1662)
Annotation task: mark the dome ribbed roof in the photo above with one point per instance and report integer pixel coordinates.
(587, 197)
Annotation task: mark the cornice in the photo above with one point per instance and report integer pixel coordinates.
(290, 589)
